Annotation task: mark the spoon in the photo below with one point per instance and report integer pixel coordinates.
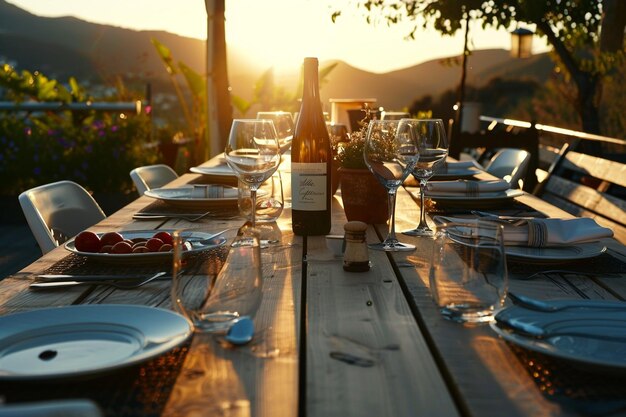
(240, 331)
(205, 240)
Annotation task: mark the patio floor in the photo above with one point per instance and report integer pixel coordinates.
(18, 248)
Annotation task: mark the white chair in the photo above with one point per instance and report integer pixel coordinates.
(152, 176)
(510, 164)
(58, 211)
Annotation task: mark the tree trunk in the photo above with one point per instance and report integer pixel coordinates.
(587, 84)
(587, 101)
(219, 108)
(613, 24)
(225, 108)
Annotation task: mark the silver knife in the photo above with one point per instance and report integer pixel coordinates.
(86, 278)
(57, 284)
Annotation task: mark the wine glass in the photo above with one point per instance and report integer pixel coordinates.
(284, 125)
(432, 143)
(253, 154)
(391, 156)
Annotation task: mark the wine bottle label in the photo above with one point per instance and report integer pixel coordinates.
(308, 185)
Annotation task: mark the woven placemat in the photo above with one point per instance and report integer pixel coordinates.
(598, 265)
(81, 265)
(161, 207)
(140, 390)
(586, 391)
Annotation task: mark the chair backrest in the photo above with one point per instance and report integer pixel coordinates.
(58, 211)
(510, 164)
(152, 176)
(588, 186)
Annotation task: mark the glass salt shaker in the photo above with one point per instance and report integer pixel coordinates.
(355, 256)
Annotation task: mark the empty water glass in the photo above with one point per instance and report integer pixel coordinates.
(468, 275)
(214, 294)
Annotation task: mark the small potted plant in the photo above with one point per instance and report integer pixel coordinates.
(364, 198)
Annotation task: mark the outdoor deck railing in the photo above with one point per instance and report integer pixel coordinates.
(32, 106)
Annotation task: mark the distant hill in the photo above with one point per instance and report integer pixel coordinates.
(65, 46)
(399, 88)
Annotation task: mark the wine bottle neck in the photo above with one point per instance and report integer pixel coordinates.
(311, 92)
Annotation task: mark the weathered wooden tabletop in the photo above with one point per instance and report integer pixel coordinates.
(333, 343)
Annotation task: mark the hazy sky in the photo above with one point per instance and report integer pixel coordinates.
(280, 33)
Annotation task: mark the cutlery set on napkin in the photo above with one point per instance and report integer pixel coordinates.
(535, 232)
(468, 187)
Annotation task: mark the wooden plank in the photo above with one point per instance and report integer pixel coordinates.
(588, 198)
(261, 378)
(365, 355)
(486, 374)
(612, 171)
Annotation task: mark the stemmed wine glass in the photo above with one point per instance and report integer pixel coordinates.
(432, 143)
(391, 156)
(284, 125)
(253, 154)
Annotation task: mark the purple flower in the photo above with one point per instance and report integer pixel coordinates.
(114, 128)
(37, 171)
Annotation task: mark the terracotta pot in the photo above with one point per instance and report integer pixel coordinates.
(364, 198)
(334, 177)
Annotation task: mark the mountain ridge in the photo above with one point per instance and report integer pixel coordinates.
(68, 46)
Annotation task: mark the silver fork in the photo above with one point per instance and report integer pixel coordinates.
(189, 218)
(123, 285)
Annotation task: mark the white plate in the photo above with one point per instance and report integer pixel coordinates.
(480, 200)
(557, 253)
(193, 196)
(587, 352)
(82, 340)
(452, 173)
(458, 170)
(146, 256)
(218, 170)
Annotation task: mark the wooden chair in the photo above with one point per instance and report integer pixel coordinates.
(152, 176)
(58, 211)
(588, 186)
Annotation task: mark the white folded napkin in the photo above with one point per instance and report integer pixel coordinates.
(207, 191)
(467, 187)
(462, 164)
(543, 232)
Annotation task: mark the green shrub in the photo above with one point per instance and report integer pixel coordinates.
(97, 153)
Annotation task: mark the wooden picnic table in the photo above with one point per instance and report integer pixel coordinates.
(330, 342)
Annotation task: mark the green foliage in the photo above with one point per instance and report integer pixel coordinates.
(194, 111)
(447, 16)
(572, 27)
(98, 155)
(97, 151)
(350, 154)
